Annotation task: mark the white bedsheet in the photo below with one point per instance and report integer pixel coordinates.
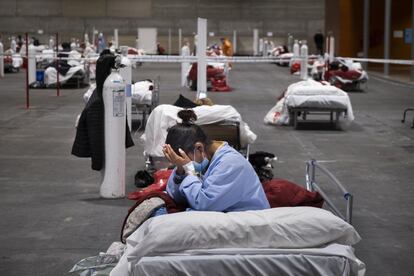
(51, 76)
(141, 93)
(17, 60)
(312, 94)
(334, 259)
(165, 116)
(293, 228)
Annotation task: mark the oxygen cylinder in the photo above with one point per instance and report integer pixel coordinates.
(51, 43)
(31, 64)
(13, 45)
(116, 39)
(331, 48)
(290, 43)
(86, 40)
(296, 49)
(113, 180)
(261, 46)
(304, 61)
(101, 43)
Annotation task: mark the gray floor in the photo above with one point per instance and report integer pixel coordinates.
(52, 216)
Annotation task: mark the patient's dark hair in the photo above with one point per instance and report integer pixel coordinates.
(184, 135)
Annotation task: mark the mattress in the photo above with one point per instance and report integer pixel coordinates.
(317, 97)
(334, 259)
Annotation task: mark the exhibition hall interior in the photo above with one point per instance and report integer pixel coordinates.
(179, 137)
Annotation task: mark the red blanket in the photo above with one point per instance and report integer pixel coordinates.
(283, 193)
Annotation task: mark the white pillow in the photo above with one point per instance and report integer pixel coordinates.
(290, 227)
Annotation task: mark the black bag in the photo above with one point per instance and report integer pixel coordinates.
(143, 179)
(184, 102)
(261, 162)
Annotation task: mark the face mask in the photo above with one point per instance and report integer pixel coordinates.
(200, 167)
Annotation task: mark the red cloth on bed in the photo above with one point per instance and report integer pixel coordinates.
(283, 193)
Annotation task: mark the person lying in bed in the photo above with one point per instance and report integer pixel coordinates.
(209, 175)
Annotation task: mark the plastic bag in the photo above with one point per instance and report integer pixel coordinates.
(100, 265)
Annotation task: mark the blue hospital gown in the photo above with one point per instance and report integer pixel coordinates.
(229, 184)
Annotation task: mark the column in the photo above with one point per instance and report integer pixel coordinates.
(169, 41)
(366, 31)
(387, 30)
(412, 40)
(234, 42)
(255, 42)
(201, 58)
(180, 34)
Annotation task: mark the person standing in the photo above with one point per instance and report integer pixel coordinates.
(185, 66)
(318, 38)
(226, 47)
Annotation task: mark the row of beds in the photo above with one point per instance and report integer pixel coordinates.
(309, 241)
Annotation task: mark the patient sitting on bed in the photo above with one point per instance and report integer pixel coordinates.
(209, 175)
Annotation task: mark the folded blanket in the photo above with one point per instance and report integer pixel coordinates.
(283, 193)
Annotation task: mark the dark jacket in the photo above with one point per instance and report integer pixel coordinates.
(89, 140)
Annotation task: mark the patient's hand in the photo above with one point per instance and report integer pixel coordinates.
(177, 159)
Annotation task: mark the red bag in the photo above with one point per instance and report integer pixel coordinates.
(160, 184)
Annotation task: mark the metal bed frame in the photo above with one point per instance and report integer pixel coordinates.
(312, 185)
(294, 113)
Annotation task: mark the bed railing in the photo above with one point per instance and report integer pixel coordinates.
(311, 185)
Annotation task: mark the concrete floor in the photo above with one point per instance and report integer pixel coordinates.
(52, 215)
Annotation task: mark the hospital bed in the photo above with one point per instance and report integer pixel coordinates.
(310, 97)
(222, 122)
(76, 76)
(12, 61)
(226, 130)
(278, 241)
(145, 99)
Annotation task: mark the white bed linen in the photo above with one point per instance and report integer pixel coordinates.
(17, 60)
(74, 58)
(165, 116)
(51, 76)
(334, 259)
(311, 94)
(289, 227)
(217, 65)
(141, 93)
